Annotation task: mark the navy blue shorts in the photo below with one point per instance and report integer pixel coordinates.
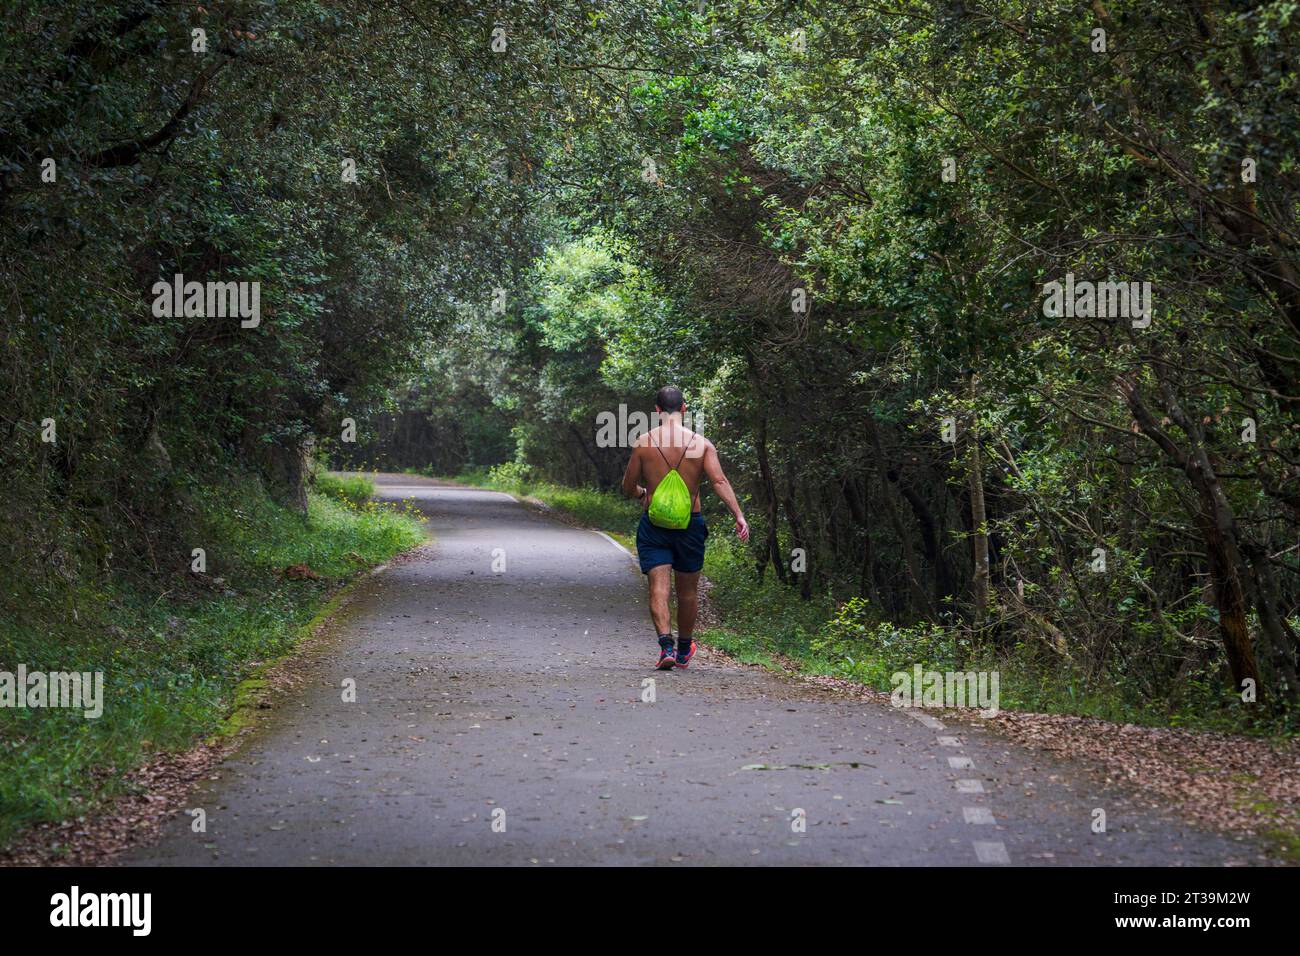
(683, 549)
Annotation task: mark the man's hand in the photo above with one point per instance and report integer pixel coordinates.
(742, 528)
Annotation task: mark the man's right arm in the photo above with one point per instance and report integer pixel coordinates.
(632, 486)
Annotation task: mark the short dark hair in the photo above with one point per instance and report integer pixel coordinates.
(669, 399)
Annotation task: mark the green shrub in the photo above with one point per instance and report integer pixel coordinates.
(357, 489)
(865, 648)
(510, 474)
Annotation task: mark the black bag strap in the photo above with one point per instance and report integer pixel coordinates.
(679, 460)
(661, 452)
(684, 451)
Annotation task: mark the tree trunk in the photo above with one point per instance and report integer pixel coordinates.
(284, 465)
(1273, 623)
(772, 547)
(979, 530)
(858, 510)
(924, 604)
(1216, 522)
(796, 529)
(930, 540)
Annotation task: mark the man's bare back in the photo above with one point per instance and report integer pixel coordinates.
(672, 445)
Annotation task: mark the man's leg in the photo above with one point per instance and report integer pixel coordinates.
(688, 603)
(688, 562)
(656, 557)
(659, 582)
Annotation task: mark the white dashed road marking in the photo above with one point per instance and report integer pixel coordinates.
(933, 723)
(986, 851)
(991, 852)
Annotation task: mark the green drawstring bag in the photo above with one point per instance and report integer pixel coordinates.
(670, 506)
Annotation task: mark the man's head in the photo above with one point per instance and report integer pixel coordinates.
(668, 400)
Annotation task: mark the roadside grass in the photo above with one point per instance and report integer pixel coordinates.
(851, 640)
(611, 513)
(768, 623)
(172, 654)
(356, 489)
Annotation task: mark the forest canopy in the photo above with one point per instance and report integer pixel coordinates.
(992, 309)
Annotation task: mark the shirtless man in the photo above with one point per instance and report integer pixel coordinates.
(669, 446)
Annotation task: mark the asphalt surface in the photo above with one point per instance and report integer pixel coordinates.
(500, 720)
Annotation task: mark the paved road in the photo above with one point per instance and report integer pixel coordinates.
(520, 692)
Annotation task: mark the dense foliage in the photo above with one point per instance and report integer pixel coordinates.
(834, 224)
(229, 164)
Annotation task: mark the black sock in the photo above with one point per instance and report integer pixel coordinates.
(666, 641)
(684, 644)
